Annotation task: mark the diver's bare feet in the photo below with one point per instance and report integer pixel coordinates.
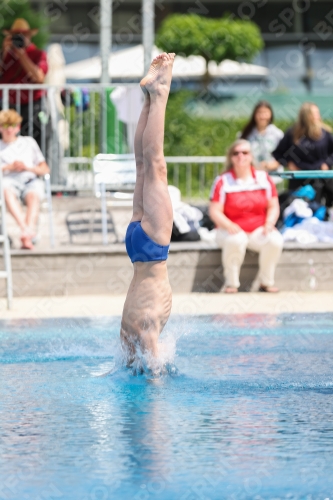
(159, 75)
(152, 72)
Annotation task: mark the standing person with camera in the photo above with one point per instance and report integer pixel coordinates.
(22, 62)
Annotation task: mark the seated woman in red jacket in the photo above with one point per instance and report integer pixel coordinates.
(244, 207)
(308, 145)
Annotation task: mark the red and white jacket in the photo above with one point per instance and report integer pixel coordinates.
(244, 202)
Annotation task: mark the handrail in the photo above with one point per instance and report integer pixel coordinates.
(77, 159)
(195, 159)
(304, 174)
(170, 159)
(45, 86)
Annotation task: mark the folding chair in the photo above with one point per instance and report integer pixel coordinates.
(116, 173)
(85, 223)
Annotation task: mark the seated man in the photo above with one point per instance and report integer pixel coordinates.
(148, 301)
(21, 162)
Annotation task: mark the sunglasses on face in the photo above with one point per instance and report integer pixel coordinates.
(9, 125)
(236, 153)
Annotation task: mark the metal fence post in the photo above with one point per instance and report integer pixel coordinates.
(105, 37)
(105, 45)
(5, 98)
(148, 15)
(104, 214)
(49, 203)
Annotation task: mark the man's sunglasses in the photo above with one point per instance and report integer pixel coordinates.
(9, 125)
(236, 153)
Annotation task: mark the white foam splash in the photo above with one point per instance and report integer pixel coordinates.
(145, 363)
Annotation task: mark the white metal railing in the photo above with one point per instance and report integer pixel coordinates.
(194, 175)
(74, 124)
(79, 121)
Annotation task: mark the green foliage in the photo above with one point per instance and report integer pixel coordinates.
(189, 135)
(213, 39)
(85, 132)
(12, 9)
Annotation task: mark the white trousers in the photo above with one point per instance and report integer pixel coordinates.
(234, 248)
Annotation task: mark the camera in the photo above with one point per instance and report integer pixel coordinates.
(18, 40)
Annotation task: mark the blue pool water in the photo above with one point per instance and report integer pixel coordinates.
(249, 415)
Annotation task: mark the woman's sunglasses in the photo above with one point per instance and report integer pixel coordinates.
(236, 153)
(9, 125)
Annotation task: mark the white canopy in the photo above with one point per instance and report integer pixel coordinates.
(127, 64)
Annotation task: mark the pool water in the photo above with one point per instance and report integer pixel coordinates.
(248, 415)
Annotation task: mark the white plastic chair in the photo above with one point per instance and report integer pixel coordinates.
(116, 173)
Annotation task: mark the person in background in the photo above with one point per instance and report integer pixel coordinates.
(22, 62)
(244, 208)
(307, 145)
(263, 136)
(21, 162)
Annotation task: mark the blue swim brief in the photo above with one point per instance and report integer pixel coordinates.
(140, 247)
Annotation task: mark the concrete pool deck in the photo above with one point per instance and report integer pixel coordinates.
(191, 303)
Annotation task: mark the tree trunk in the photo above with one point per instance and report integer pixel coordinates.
(206, 77)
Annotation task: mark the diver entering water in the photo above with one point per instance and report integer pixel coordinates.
(148, 302)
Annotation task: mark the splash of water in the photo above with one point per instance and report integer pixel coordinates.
(144, 363)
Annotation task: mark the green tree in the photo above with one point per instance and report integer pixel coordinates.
(12, 9)
(213, 39)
